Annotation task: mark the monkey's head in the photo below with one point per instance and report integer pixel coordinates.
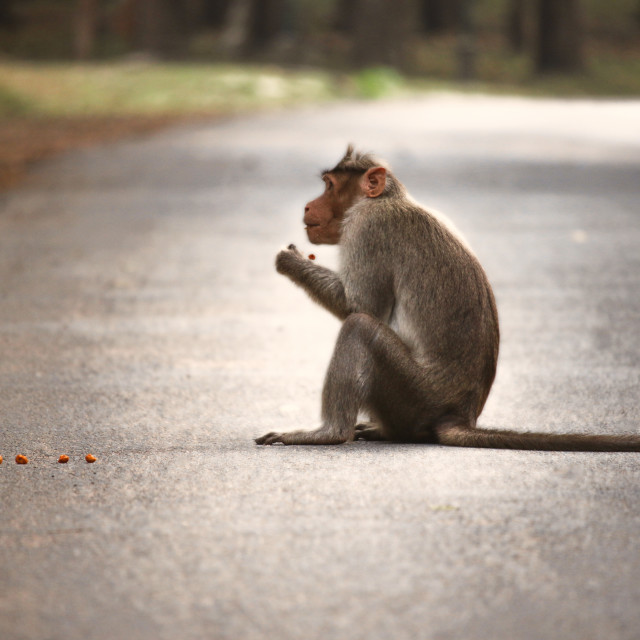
(355, 177)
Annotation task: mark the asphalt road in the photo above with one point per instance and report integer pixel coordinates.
(141, 320)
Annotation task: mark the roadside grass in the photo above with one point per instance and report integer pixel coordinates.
(610, 71)
(146, 89)
(46, 108)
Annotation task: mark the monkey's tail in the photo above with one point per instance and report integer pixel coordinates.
(467, 436)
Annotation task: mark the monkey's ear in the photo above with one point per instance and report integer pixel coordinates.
(374, 182)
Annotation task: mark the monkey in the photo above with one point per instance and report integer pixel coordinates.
(418, 346)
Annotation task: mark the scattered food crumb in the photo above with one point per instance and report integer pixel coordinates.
(20, 459)
(0, 459)
(312, 256)
(90, 458)
(63, 459)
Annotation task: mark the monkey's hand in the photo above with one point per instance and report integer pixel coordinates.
(323, 285)
(288, 261)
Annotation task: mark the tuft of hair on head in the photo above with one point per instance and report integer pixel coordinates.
(354, 161)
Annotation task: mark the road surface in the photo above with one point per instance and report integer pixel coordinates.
(141, 320)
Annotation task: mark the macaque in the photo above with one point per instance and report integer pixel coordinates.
(418, 347)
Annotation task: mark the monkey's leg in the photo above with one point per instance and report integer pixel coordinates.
(343, 392)
(371, 367)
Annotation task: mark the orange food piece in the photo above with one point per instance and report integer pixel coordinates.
(20, 459)
(312, 256)
(90, 458)
(63, 459)
(0, 459)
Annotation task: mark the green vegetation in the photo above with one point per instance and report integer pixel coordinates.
(12, 103)
(378, 82)
(153, 89)
(609, 73)
(125, 89)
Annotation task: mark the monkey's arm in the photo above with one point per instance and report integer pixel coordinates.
(321, 284)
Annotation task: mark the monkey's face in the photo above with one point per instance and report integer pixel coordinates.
(323, 216)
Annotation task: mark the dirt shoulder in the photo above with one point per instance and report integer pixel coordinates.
(23, 142)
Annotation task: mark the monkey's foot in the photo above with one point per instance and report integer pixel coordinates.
(369, 431)
(269, 438)
(319, 436)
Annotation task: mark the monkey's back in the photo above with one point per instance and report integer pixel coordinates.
(431, 290)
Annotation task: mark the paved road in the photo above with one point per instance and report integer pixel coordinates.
(141, 320)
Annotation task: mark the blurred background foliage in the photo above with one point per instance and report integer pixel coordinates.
(97, 68)
(495, 41)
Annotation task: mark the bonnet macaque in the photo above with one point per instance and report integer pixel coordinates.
(418, 346)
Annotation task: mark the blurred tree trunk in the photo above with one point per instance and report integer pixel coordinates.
(266, 21)
(439, 16)
(559, 46)
(234, 32)
(345, 16)
(383, 32)
(7, 16)
(85, 28)
(466, 42)
(162, 26)
(215, 13)
(517, 25)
